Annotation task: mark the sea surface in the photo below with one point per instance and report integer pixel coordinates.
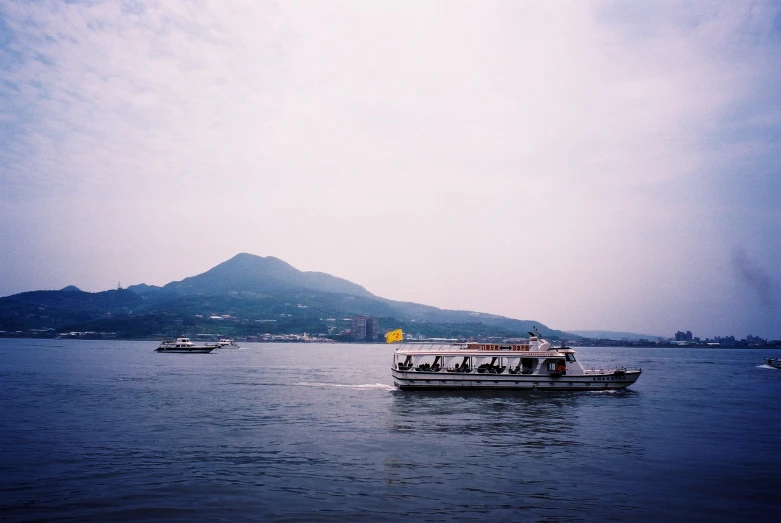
(112, 431)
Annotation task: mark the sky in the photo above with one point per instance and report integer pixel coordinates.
(585, 164)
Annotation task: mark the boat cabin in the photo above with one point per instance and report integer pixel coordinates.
(178, 343)
(486, 359)
(534, 365)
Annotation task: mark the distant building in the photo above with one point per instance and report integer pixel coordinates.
(372, 329)
(365, 328)
(683, 336)
(359, 327)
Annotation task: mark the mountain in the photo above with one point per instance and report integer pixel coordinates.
(244, 296)
(143, 288)
(249, 273)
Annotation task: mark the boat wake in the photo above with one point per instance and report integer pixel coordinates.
(377, 386)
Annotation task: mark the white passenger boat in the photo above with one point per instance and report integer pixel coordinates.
(774, 362)
(533, 365)
(184, 346)
(227, 343)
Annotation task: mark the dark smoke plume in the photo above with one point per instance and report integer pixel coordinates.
(754, 276)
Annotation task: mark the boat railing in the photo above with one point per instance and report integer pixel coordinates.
(465, 369)
(430, 346)
(471, 346)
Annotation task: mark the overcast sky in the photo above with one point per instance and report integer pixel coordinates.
(588, 165)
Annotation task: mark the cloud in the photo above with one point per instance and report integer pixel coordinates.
(141, 91)
(117, 97)
(604, 149)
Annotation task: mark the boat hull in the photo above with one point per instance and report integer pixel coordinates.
(416, 380)
(186, 350)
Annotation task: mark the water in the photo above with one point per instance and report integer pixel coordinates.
(111, 431)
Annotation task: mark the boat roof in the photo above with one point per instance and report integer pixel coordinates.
(518, 350)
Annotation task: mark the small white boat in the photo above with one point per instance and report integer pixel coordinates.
(774, 362)
(184, 346)
(227, 343)
(533, 365)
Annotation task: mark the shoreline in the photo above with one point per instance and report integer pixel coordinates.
(774, 344)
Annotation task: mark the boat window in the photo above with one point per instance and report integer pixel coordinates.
(489, 364)
(458, 364)
(570, 357)
(407, 363)
(427, 363)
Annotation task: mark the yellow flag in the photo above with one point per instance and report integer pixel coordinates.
(396, 335)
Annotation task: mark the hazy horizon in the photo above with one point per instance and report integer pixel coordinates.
(590, 165)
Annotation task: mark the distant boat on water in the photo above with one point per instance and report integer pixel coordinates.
(184, 346)
(227, 343)
(774, 362)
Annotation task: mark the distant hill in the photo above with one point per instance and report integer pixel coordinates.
(249, 273)
(143, 288)
(63, 310)
(613, 335)
(244, 296)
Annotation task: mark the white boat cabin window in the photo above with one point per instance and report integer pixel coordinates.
(423, 363)
(405, 363)
(458, 363)
(570, 357)
(556, 365)
(553, 365)
(519, 365)
(427, 363)
(491, 364)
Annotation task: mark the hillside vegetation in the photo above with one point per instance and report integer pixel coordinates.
(247, 295)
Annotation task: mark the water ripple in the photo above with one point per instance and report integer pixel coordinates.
(114, 432)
